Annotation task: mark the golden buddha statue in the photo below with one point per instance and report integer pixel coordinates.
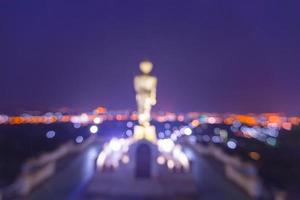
(145, 88)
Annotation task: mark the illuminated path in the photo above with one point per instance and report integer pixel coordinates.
(70, 181)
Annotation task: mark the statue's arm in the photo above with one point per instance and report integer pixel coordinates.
(153, 91)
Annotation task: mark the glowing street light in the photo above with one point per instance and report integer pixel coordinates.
(94, 129)
(160, 160)
(97, 120)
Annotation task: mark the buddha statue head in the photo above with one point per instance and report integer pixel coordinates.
(146, 66)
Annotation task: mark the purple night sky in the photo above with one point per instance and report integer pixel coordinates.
(209, 55)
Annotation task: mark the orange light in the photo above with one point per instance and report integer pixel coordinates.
(287, 126)
(119, 117)
(228, 120)
(161, 119)
(53, 119)
(294, 120)
(134, 117)
(100, 110)
(254, 155)
(274, 119)
(65, 118)
(246, 119)
(15, 120)
(195, 123)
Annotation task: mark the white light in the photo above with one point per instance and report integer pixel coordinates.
(231, 144)
(160, 160)
(166, 145)
(177, 133)
(223, 133)
(97, 120)
(161, 135)
(180, 156)
(129, 133)
(211, 120)
(115, 144)
(101, 159)
(174, 137)
(216, 139)
(125, 159)
(3, 119)
(168, 132)
(129, 124)
(84, 118)
(79, 139)
(177, 151)
(170, 164)
(94, 129)
(50, 134)
(187, 131)
(75, 119)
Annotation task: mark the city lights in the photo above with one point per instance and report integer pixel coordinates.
(115, 144)
(231, 144)
(150, 100)
(125, 159)
(76, 125)
(165, 145)
(79, 139)
(97, 120)
(271, 141)
(129, 124)
(254, 155)
(50, 134)
(94, 129)
(272, 120)
(129, 133)
(186, 131)
(160, 160)
(170, 164)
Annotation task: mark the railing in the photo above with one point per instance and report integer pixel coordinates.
(242, 173)
(36, 171)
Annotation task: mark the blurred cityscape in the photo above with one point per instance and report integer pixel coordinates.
(149, 100)
(248, 155)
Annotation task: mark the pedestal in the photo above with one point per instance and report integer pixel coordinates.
(148, 133)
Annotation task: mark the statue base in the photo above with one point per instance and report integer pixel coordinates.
(145, 132)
